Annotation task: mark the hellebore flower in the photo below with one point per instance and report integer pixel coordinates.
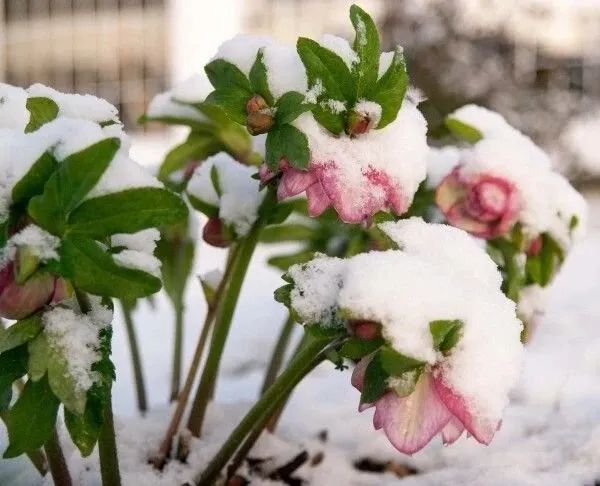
(486, 206)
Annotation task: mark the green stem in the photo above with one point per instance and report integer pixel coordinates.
(305, 361)
(56, 460)
(136, 361)
(177, 352)
(278, 353)
(107, 448)
(224, 316)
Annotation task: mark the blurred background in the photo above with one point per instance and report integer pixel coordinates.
(535, 61)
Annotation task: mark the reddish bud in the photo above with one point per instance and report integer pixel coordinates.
(259, 122)
(256, 103)
(535, 246)
(358, 124)
(214, 233)
(19, 301)
(365, 330)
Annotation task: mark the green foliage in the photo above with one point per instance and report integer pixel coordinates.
(445, 334)
(41, 111)
(13, 365)
(463, 131)
(287, 142)
(32, 183)
(198, 146)
(355, 348)
(366, 45)
(258, 79)
(20, 333)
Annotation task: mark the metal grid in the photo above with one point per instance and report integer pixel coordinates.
(114, 49)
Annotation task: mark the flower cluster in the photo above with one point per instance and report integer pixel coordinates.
(438, 342)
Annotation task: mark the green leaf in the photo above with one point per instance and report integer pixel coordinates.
(93, 270)
(177, 256)
(282, 294)
(395, 364)
(41, 111)
(197, 126)
(207, 209)
(69, 185)
(287, 232)
(355, 348)
(279, 213)
(214, 179)
(375, 382)
(20, 332)
(287, 142)
(259, 80)
(127, 211)
(334, 122)
(225, 75)
(366, 45)
(13, 365)
(39, 353)
(32, 183)
(390, 90)
(290, 106)
(463, 131)
(445, 333)
(30, 422)
(232, 101)
(573, 222)
(198, 146)
(63, 384)
(283, 262)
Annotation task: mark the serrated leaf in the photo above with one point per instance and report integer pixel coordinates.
(445, 333)
(232, 102)
(366, 45)
(93, 270)
(258, 78)
(198, 146)
(390, 90)
(395, 364)
(290, 106)
(463, 131)
(127, 211)
(30, 422)
(355, 348)
(334, 122)
(375, 382)
(41, 111)
(225, 75)
(287, 142)
(69, 185)
(32, 183)
(20, 332)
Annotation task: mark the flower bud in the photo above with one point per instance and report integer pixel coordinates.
(19, 301)
(214, 233)
(255, 104)
(365, 330)
(535, 246)
(259, 122)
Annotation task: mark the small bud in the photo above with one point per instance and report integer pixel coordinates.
(259, 122)
(19, 301)
(214, 233)
(535, 247)
(365, 330)
(255, 104)
(358, 124)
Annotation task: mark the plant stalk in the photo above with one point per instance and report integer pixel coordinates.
(177, 352)
(224, 316)
(107, 449)
(278, 354)
(56, 461)
(136, 360)
(313, 353)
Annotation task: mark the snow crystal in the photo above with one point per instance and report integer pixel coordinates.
(532, 302)
(171, 104)
(70, 135)
(369, 109)
(192, 90)
(85, 107)
(335, 106)
(144, 241)
(138, 260)
(212, 279)
(440, 163)
(488, 122)
(13, 107)
(239, 196)
(285, 71)
(385, 61)
(315, 91)
(399, 150)
(361, 32)
(430, 279)
(42, 244)
(76, 336)
(341, 47)
(241, 50)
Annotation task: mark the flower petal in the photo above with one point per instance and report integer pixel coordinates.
(452, 431)
(411, 422)
(293, 182)
(458, 216)
(449, 192)
(317, 200)
(479, 427)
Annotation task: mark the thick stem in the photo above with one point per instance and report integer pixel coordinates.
(305, 361)
(177, 352)
(56, 460)
(107, 449)
(278, 353)
(224, 316)
(136, 361)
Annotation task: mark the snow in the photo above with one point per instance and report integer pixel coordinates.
(239, 196)
(315, 91)
(285, 71)
(399, 150)
(85, 107)
(13, 107)
(212, 279)
(138, 260)
(144, 241)
(440, 163)
(580, 138)
(40, 243)
(341, 47)
(370, 109)
(385, 61)
(241, 50)
(171, 104)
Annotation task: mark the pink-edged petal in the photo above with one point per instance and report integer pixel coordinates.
(265, 173)
(479, 427)
(457, 216)
(293, 182)
(452, 431)
(358, 375)
(393, 198)
(449, 192)
(318, 201)
(378, 417)
(411, 422)
(20, 301)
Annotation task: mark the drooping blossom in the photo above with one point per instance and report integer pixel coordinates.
(485, 205)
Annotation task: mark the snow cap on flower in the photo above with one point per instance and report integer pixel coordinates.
(222, 187)
(504, 178)
(407, 292)
(174, 103)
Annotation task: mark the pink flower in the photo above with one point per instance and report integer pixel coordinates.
(324, 187)
(432, 408)
(19, 301)
(486, 206)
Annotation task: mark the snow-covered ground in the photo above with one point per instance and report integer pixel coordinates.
(550, 433)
